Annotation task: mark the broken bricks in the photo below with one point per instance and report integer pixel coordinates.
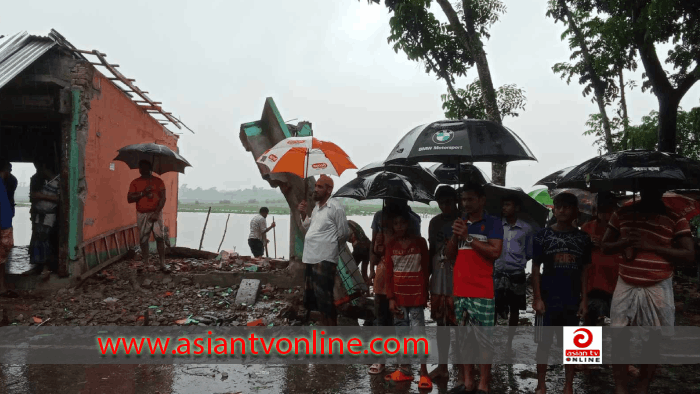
(248, 292)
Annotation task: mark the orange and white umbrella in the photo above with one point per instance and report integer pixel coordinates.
(305, 157)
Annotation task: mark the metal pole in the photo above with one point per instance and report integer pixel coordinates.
(274, 236)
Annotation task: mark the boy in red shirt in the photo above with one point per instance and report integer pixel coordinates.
(148, 193)
(476, 243)
(407, 272)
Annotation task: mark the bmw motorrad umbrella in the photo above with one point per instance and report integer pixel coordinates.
(161, 157)
(458, 141)
(633, 170)
(385, 184)
(450, 174)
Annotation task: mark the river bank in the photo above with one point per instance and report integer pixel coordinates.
(276, 208)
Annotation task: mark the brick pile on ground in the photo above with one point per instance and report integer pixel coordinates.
(108, 298)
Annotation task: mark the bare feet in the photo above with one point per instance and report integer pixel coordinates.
(633, 371)
(541, 390)
(439, 372)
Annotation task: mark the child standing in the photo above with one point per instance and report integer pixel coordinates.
(407, 273)
(559, 292)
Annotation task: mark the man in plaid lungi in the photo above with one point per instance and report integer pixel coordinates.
(476, 243)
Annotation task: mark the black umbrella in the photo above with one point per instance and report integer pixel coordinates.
(383, 185)
(163, 158)
(633, 170)
(412, 171)
(550, 181)
(459, 174)
(458, 141)
(531, 211)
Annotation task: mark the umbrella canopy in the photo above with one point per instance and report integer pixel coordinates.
(678, 203)
(632, 170)
(586, 199)
(161, 157)
(449, 174)
(458, 141)
(412, 171)
(383, 185)
(550, 181)
(542, 197)
(531, 211)
(305, 157)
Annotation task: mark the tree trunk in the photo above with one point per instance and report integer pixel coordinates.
(470, 40)
(625, 116)
(668, 117)
(599, 86)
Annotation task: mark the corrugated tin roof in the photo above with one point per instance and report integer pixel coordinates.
(18, 51)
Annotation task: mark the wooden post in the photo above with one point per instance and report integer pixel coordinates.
(222, 238)
(204, 229)
(274, 236)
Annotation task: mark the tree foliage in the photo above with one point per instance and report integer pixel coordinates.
(644, 134)
(469, 103)
(641, 25)
(449, 50)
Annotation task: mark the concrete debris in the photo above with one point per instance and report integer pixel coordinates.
(248, 292)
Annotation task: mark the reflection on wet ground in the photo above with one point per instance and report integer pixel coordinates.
(296, 379)
(18, 260)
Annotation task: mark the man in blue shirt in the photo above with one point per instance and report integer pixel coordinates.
(509, 270)
(6, 238)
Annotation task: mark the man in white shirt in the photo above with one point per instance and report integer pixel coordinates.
(326, 230)
(258, 229)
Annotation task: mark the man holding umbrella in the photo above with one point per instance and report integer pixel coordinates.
(148, 193)
(327, 229)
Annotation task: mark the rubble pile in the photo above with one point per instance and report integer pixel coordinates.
(108, 298)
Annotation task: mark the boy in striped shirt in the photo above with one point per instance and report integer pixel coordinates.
(652, 239)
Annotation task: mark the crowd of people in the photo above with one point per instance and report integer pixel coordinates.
(472, 268)
(44, 192)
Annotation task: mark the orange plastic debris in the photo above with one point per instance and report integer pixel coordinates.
(37, 320)
(181, 321)
(258, 322)
(168, 294)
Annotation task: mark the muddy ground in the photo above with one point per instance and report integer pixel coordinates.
(171, 299)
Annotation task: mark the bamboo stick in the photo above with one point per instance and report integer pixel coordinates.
(204, 229)
(222, 238)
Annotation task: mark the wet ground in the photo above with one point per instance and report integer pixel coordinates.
(292, 379)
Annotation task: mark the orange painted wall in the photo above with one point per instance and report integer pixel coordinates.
(116, 121)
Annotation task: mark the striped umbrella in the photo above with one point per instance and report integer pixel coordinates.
(305, 157)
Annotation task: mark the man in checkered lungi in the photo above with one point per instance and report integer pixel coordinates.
(476, 243)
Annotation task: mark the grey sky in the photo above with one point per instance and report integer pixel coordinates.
(213, 63)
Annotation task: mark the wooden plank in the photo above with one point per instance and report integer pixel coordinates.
(109, 255)
(108, 233)
(97, 254)
(100, 64)
(99, 268)
(116, 240)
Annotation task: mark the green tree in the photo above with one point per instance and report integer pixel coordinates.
(468, 103)
(644, 134)
(448, 50)
(642, 25)
(598, 59)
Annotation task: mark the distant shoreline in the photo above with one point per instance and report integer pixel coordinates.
(279, 209)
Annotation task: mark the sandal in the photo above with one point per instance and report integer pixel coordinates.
(399, 376)
(425, 383)
(376, 369)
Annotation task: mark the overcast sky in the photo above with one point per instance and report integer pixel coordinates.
(213, 63)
